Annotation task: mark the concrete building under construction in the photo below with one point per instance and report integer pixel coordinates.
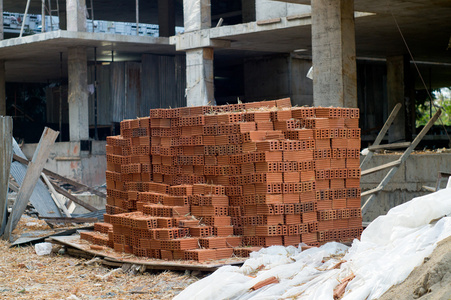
(366, 54)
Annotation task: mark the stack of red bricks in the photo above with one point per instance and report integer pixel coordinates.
(203, 183)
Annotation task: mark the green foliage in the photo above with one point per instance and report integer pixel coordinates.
(441, 99)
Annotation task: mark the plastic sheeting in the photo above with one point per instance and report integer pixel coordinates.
(389, 249)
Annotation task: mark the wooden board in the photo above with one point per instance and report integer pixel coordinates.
(115, 258)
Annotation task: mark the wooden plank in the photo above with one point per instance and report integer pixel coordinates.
(62, 178)
(389, 146)
(402, 159)
(69, 220)
(149, 263)
(381, 167)
(370, 192)
(31, 177)
(6, 154)
(382, 133)
(40, 198)
(73, 198)
(55, 196)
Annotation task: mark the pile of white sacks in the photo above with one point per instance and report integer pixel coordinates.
(389, 249)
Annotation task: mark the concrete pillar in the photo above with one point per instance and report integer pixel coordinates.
(397, 89)
(196, 14)
(199, 77)
(334, 61)
(76, 15)
(78, 94)
(166, 17)
(199, 61)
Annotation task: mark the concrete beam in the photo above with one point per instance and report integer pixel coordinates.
(197, 39)
(196, 14)
(199, 77)
(166, 17)
(76, 15)
(78, 94)
(333, 52)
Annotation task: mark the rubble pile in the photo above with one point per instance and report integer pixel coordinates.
(206, 183)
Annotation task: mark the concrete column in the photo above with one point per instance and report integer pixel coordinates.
(166, 17)
(396, 93)
(334, 61)
(199, 77)
(76, 15)
(78, 94)
(199, 61)
(196, 14)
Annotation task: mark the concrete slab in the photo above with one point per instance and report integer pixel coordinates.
(27, 59)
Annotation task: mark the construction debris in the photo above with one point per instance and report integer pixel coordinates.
(25, 275)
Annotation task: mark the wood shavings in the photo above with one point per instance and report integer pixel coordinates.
(25, 275)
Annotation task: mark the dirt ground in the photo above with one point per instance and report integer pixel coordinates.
(430, 281)
(26, 275)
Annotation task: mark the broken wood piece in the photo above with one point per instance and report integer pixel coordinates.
(340, 289)
(69, 220)
(382, 133)
(390, 146)
(62, 178)
(381, 167)
(265, 282)
(40, 197)
(73, 198)
(56, 196)
(31, 177)
(6, 153)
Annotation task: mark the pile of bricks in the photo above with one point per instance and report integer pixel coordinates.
(204, 183)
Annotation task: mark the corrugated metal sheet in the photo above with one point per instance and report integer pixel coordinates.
(104, 99)
(133, 91)
(94, 214)
(40, 198)
(180, 80)
(118, 90)
(150, 82)
(164, 81)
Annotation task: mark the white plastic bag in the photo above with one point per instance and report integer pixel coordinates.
(43, 248)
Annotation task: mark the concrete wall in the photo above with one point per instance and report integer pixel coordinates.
(68, 160)
(267, 9)
(273, 77)
(418, 170)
